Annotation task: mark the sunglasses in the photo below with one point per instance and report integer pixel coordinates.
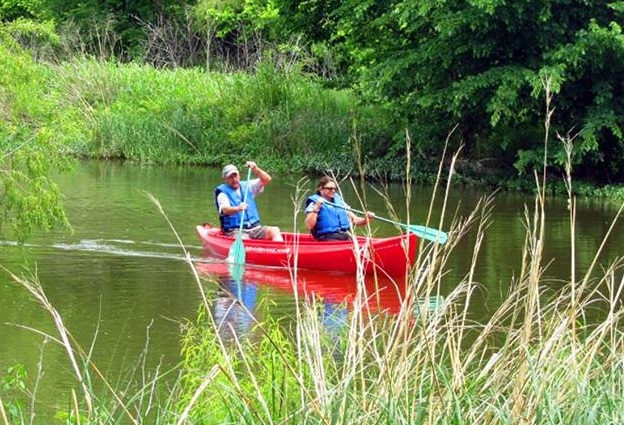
(333, 189)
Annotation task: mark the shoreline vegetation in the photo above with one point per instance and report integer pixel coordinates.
(104, 109)
(308, 88)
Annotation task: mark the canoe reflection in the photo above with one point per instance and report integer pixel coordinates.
(334, 289)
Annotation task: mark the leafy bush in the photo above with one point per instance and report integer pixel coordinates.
(32, 142)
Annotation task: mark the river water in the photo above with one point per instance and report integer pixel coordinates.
(123, 288)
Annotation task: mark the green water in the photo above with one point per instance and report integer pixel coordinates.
(123, 288)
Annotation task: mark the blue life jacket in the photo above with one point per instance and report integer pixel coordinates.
(229, 222)
(330, 219)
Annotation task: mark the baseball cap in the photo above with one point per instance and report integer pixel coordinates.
(228, 170)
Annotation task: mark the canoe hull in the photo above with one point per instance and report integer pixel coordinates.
(391, 256)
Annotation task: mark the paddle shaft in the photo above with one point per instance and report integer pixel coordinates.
(240, 230)
(422, 231)
(387, 220)
(237, 250)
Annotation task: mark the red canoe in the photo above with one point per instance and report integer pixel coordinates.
(390, 256)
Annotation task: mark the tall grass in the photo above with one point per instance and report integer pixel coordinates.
(105, 109)
(538, 359)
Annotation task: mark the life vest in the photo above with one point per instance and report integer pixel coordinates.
(229, 222)
(330, 218)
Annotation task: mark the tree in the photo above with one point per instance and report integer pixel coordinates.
(241, 26)
(29, 152)
(100, 27)
(479, 63)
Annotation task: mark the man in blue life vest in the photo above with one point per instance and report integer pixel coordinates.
(331, 221)
(233, 197)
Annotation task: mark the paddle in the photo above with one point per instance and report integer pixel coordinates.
(236, 255)
(422, 231)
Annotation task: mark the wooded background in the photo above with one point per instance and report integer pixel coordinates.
(480, 65)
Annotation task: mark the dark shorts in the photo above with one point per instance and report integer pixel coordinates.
(257, 232)
(333, 236)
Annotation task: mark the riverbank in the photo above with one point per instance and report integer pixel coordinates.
(290, 122)
(134, 112)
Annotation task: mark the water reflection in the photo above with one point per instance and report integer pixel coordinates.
(234, 306)
(334, 316)
(236, 301)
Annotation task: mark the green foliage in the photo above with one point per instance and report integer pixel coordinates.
(591, 97)
(39, 38)
(255, 380)
(135, 112)
(12, 389)
(32, 146)
(424, 66)
(479, 64)
(120, 17)
(30, 199)
(16, 9)
(239, 19)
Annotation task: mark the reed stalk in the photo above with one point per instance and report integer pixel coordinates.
(3, 414)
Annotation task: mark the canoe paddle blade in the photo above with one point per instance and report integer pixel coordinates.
(236, 255)
(236, 272)
(429, 233)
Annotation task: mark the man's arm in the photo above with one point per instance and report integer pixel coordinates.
(225, 207)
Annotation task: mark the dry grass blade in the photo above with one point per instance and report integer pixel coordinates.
(187, 255)
(200, 389)
(36, 290)
(3, 414)
(75, 406)
(65, 341)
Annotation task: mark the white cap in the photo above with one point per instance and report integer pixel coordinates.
(228, 170)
